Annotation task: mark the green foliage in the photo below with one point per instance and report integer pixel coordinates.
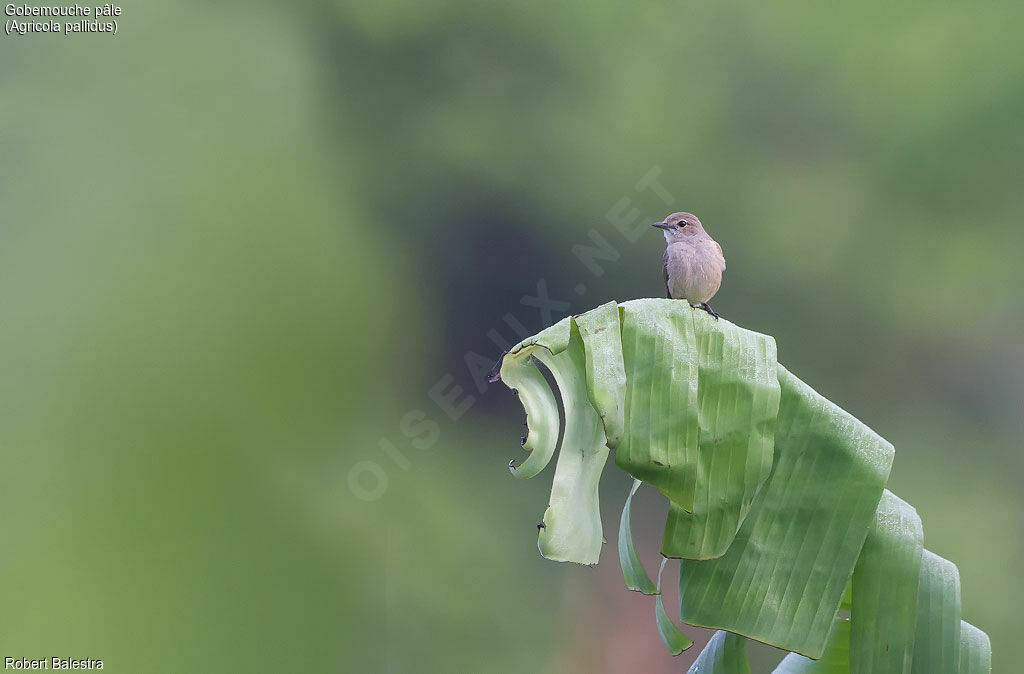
(885, 587)
(726, 653)
(633, 571)
(937, 645)
(836, 659)
(660, 446)
(804, 531)
(788, 520)
(541, 413)
(571, 526)
(737, 405)
(675, 640)
(975, 650)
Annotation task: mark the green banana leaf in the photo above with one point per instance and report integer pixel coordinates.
(775, 496)
(675, 641)
(884, 603)
(975, 650)
(737, 407)
(726, 653)
(541, 414)
(633, 572)
(571, 526)
(659, 445)
(555, 339)
(783, 578)
(945, 643)
(606, 373)
(835, 660)
(937, 645)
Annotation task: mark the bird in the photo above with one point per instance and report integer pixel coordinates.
(693, 262)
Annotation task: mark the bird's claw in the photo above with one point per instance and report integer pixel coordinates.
(706, 307)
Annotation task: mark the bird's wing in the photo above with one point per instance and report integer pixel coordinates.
(664, 269)
(719, 246)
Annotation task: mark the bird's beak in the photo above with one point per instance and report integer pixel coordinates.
(662, 225)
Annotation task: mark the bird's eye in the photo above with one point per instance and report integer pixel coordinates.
(681, 223)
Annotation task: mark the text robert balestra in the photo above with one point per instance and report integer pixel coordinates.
(52, 663)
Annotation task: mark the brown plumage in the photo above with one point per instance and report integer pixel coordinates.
(693, 262)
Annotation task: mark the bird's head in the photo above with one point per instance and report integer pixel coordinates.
(680, 227)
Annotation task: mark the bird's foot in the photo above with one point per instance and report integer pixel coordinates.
(706, 307)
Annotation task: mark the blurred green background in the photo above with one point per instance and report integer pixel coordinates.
(241, 243)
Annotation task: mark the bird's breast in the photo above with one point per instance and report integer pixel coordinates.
(694, 271)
